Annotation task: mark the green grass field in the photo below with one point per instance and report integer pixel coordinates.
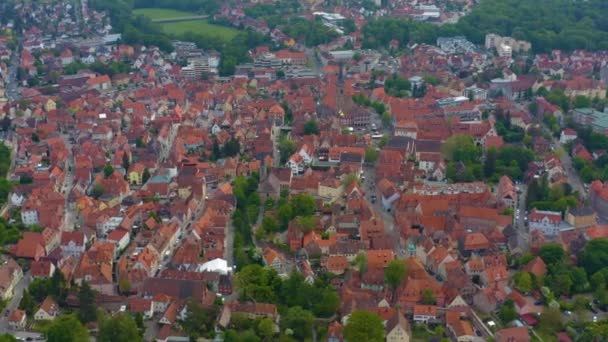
(176, 28)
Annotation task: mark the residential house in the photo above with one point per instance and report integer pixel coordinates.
(459, 330)
(537, 267)
(475, 243)
(73, 243)
(515, 334)
(581, 217)
(506, 192)
(388, 193)
(334, 332)
(48, 311)
(142, 306)
(425, 313)
(17, 320)
(275, 260)
(136, 173)
(598, 196)
(42, 269)
(10, 275)
(567, 136)
(398, 328)
(120, 238)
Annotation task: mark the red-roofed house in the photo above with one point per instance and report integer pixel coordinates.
(48, 310)
(548, 222)
(100, 83)
(17, 320)
(515, 334)
(567, 135)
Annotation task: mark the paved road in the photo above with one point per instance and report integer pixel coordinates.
(14, 303)
(12, 86)
(70, 215)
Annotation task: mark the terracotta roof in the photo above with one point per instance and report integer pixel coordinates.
(537, 267)
(379, 258)
(516, 334)
(476, 241)
(425, 310)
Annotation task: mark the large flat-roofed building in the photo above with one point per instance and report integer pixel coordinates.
(598, 121)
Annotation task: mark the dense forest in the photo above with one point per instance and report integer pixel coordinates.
(547, 24)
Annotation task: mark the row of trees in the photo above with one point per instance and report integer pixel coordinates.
(558, 24)
(245, 215)
(5, 165)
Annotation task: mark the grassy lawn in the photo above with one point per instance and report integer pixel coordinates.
(202, 27)
(161, 13)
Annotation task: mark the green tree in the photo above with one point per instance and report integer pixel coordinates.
(88, 309)
(145, 176)
(395, 273)
(387, 119)
(8, 338)
(287, 147)
(97, 190)
(265, 329)
(311, 127)
(125, 161)
(285, 214)
(582, 102)
(254, 282)
(108, 170)
(594, 256)
(66, 328)
(305, 223)
(328, 303)
(550, 321)
(360, 262)
(303, 205)
(460, 147)
(300, 321)
(507, 312)
(199, 321)
(523, 281)
(489, 166)
(371, 155)
(552, 253)
(119, 328)
(27, 303)
(364, 326)
(428, 298)
(270, 224)
(124, 286)
(349, 180)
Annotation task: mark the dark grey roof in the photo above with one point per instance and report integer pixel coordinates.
(582, 211)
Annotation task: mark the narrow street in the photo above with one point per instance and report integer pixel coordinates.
(14, 302)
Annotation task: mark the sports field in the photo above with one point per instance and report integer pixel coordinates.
(197, 26)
